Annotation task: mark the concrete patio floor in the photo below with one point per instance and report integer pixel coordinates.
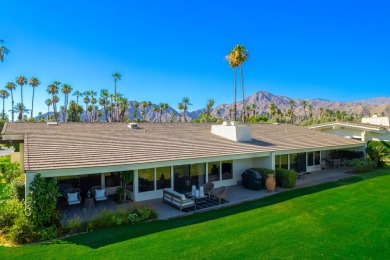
(236, 194)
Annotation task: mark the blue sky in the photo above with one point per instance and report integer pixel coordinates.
(166, 50)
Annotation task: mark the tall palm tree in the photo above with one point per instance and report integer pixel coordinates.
(292, 104)
(33, 82)
(66, 89)
(144, 105)
(241, 55)
(20, 109)
(53, 90)
(11, 86)
(232, 60)
(186, 102)
(166, 106)
(3, 50)
(48, 104)
(86, 101)
(157, 111)
(304, 105)
(161, 106)
(3, 94)
(310, 111)
(103, 101)
(180, 106)
(209, 106)
(77, 94)
(21, 81)
(117, 77)
(122, 102)
(54, 101)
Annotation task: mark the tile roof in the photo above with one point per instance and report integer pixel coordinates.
(352, 124)
(76, 145)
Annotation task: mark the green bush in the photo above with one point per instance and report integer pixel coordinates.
(361, 165)
(10, 171)
(378, 151)
(10, 209)
(17, 187)
(285, 178)
(22, 231)
(264, 172)
(47, 233)
(75, 225)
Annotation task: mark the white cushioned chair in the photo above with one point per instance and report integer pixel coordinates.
(99, 193)
(72, 196)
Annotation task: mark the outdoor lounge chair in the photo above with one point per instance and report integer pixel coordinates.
(207, 188)
(72, 196)
(99, 193)
(324, 165)
(219, 193)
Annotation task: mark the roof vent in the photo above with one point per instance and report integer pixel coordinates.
(133, 126)
(52, 123)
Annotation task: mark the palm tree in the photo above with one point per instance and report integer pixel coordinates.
(310, 111)
(230, 114)
(209, 106)
(180, 106)
(117, 77)
(292, 104)
(21, 81)
(53, 90)
(186, 102)
(40, 116)
(104, 101)
(241, 55)
(232, 60)
(253, 108)
(157, 111)
(77, 94)
(48, 104)
(20, 109)
(33, 82)
(3, 94)
(304, 104)
(11, 86)
(272, 109)
(66, 89)
(122, 108)
(3, 51)
(54, 101)
(166, 106)
(161, 106)
(86, 101)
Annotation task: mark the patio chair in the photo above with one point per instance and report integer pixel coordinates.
(324, 165)
(336, 163)
(219, 193)
(207, 188)
(99, 193)
(72, 196)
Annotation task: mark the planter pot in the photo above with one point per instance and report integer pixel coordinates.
(270, 183)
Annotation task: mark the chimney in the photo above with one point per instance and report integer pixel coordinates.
(233, 132)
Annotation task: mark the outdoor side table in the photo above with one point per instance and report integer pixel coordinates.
(89, 203)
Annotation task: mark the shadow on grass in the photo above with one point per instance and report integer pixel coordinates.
(104, 237)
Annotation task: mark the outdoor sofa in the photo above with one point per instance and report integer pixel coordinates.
(177, 200)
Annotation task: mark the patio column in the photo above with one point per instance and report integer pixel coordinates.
(29, 179)
(102, 180)
(135, 185)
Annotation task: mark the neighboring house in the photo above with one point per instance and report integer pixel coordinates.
(165, 155)
(370, 129)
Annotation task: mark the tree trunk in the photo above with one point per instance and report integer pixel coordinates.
(12, 97)
(235, 94)
(32, 103)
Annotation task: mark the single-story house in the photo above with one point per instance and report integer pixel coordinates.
(369, 129)
(169, 155)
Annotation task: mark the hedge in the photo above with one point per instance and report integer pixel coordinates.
(286, 178)
(263, 172)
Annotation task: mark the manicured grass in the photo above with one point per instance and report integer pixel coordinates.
(345, 219)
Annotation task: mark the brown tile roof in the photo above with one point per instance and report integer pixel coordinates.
(75, 145)
(353, 124)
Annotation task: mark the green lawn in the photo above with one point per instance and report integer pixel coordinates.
(345, 219)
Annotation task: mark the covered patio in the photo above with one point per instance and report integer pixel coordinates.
(236, 194)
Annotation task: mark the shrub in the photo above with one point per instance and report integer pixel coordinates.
(42, 201)
(75, 224)
(10, 210)
(285, 178)
(22, 231)
(361, 165)
(378, 151)
(10, 171)
(47, 233)
(18, 189)
(263, 172)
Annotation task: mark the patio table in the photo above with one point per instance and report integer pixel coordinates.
(197, 199)
(89, 203)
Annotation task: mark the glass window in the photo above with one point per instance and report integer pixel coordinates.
(227, 170)
(113, 179)
(317, 158)
(213, 171)
(163, 177)
(284, 161)
(310, 159)
(277, 161)
(293, 161)
(198, 174)
(181, 174)
(146, 180)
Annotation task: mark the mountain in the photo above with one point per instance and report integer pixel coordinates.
(261, 101)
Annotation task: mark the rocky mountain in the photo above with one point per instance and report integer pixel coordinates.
(261, 101)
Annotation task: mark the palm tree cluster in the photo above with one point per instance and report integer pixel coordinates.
(3, 50)
(236, 58)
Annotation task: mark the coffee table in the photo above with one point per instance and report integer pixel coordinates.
(197, 199)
